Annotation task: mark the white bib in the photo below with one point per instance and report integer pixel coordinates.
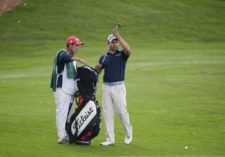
(69, 86)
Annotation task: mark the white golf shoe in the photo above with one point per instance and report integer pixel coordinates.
(129, 136)
(107, 143)
(128, 140)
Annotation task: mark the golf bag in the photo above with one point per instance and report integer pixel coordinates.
(84, 124)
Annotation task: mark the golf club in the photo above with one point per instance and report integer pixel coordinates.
(118, 26)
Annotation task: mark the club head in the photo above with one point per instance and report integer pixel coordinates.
(118, 26)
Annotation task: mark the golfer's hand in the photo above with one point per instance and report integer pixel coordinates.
(116, 33)
(98, 68)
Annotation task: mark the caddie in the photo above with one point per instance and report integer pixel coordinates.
(63, 83)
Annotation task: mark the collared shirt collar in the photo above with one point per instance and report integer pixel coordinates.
(117, 51)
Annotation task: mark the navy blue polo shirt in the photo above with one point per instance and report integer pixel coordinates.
(114, 66)
(62, 58)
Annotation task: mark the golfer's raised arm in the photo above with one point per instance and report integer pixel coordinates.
(122, 42)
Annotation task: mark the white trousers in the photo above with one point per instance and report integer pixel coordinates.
(114, 100)
(62, 101)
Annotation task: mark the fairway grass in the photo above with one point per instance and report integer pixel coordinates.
(175, 99)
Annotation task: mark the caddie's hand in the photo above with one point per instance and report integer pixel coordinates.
(82, 61)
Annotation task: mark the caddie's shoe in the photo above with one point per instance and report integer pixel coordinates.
(107, 143)
(64, 141)
(128, 140)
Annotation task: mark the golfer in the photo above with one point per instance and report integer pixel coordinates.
(114, 91)
(63, 84)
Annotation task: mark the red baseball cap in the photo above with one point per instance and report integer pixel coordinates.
(74, 40)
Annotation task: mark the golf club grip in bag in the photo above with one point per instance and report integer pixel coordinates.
(84, 124)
